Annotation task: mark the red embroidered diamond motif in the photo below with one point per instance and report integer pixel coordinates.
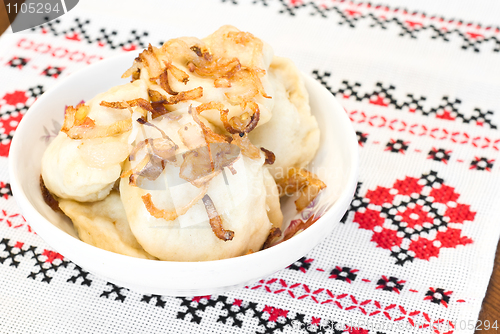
(412, 218)
(415, 216)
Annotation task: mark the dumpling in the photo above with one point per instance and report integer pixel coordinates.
(292, 134)
(241, 206)
(169, 167)
(273, 205)
(104, 224)
(228, 67)
(172, 218)
(86, 169)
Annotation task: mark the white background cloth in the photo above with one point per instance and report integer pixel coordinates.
(420, 81)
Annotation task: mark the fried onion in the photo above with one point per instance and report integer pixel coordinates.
(177, 73)
(133, 71)
(210, 136)
(247, 148)
(216, 220)
(77, 125)
(274, 234)
(151, 62)
(164, 83)
(243, 123)
(296, 226)
(48, 197)
(160, 151)
(192, 94)
(155, 96)
(143, 105)
(204, 163)
(270, 157)
(171, 214)
(300, 180)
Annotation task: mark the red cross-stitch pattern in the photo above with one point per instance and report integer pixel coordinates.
(411, 219)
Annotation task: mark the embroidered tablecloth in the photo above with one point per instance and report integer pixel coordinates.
(413, 254)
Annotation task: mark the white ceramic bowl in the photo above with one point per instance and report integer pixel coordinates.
(337, 158)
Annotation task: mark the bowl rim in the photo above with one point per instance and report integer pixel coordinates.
(32, 213)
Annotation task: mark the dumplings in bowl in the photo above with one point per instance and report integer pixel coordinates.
(188, 161)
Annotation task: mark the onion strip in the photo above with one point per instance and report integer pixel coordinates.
(300, 180)
(171, 214)
(216, 220)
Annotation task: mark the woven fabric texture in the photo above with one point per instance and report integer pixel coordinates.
(414, 252)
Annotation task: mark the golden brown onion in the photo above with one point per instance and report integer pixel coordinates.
(150, 62)
(164, 83)
(48, 197)
(216, 220)
(270, 157)
(170, 214)
(274, 234)
(177, 73)
(78, 126)
(303, 181)
(247, 148)
(210, 136)
(192, 94)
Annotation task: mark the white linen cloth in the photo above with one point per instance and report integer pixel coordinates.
(414, 253)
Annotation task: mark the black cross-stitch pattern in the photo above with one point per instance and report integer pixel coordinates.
(481, 117)
(195, 307)
(440, 154)
(383, 95)
(81, 274)
(431, 179)
(12, 252)
(32, 92)
(5, 190)
(237, 312)
(343, 274)
(448, 107)
(303, 264)
(6, 138)
(357, 203)
(402, 255)
(362, 138)
(35, 91)
(482, 164)
(159, 300)
(397, 146)
(78, 30)
(46, 264)
(406, 28)
(412, 220)
(391, 212)
(390, 284)
(438, 296)
(233, 312)
(274, 320)
(52, 71)
(18, 62)
(118, 291)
